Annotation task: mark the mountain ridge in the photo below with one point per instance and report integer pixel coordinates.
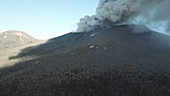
(14, 38)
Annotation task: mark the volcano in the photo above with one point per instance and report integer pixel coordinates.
(13, 38)
(113, 62)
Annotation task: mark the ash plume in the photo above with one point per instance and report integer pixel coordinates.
(151, 13)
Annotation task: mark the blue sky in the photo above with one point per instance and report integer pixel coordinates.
(44, 19)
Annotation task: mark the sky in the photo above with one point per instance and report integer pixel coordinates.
(44, 19)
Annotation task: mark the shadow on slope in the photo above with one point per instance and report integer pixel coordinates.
(106, 63)
(53, 45)
(116, 46)
(57, 47)
(128, 32)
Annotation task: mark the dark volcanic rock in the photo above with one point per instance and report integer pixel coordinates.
(113, 62)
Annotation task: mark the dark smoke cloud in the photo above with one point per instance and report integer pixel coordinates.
(151, 13)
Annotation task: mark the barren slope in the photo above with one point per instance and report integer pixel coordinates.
(113, 62)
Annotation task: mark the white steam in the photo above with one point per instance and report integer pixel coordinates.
(151, 13)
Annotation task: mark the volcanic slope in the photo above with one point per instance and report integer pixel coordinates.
(115, 62)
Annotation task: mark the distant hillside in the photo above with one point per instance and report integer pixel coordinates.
(12, 42)
(125, 60)
(14, 38)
